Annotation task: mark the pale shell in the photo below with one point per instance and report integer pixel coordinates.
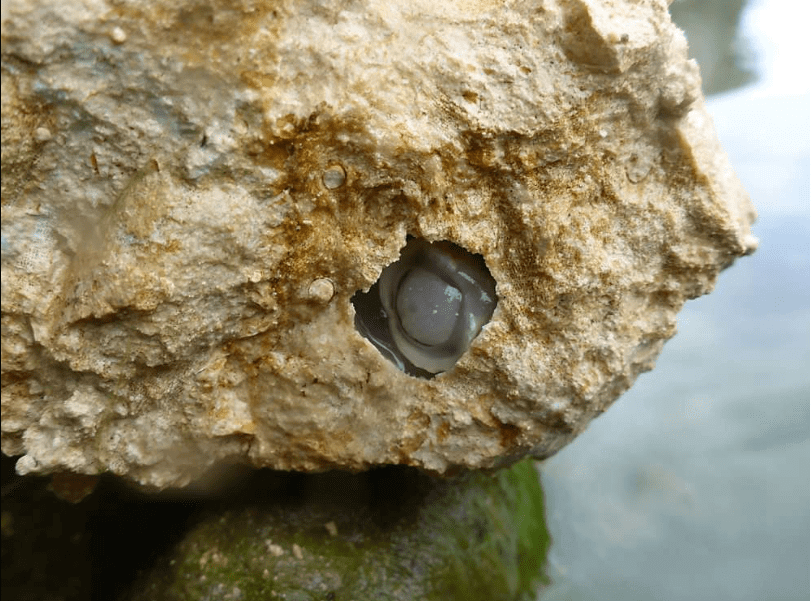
(428, 307)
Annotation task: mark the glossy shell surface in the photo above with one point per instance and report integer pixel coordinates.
(433, 302)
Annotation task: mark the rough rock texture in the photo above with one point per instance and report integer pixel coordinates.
(193, 191)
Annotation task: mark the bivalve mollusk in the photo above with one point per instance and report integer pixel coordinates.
(430, 306)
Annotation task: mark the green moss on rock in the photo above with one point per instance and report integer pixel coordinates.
(392, 533)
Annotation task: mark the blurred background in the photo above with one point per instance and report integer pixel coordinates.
(695, 484)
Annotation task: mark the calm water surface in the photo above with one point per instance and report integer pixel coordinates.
(695, 484)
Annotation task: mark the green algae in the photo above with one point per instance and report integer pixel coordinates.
(392, 533)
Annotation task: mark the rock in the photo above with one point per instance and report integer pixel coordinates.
(389, 534)
(193, 193)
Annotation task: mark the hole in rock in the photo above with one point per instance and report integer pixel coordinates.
(426, 309)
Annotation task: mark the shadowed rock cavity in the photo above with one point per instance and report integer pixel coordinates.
(426, 308)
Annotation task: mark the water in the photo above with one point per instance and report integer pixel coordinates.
(695, 484)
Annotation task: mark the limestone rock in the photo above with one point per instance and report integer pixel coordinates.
(193, 192)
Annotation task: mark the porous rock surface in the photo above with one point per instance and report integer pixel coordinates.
(193, 191)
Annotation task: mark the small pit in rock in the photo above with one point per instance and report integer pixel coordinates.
(426, 309)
